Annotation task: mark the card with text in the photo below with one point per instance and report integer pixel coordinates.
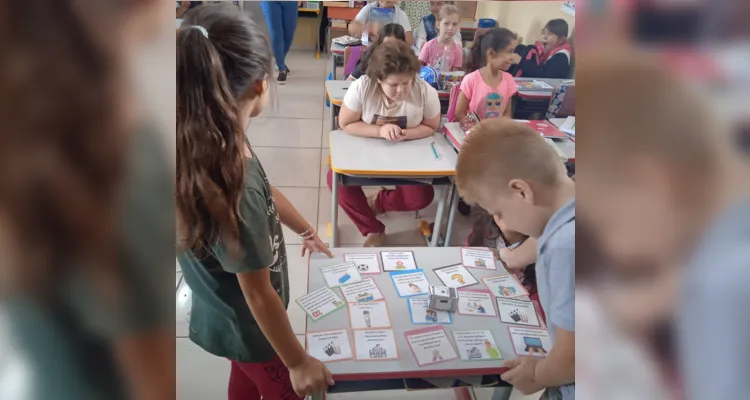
(476, 302)
(455, 276)
(341, 274)
(375, 345)
(477, 345)
(328, 346)
(430, 345)
(366, 263)
(421, 313)
(369, 315)
(320, 303)
(410, 283)
(519, 312)
(530, 341)
(398, 260)
(362, 291)
(505, 286)
(478, 258)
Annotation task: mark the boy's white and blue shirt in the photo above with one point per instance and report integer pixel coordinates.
(555, 275)
(714, 319)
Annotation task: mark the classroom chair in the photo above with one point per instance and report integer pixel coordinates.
(453, 98)
(562, 102)
(351, 57)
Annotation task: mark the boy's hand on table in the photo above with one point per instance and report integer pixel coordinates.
(315, 244)
(310, 377)
(521, 374)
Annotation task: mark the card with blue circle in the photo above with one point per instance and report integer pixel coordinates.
(341, 274)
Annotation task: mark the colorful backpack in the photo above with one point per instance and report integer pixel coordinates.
(430, 75)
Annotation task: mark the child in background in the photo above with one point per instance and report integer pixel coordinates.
(357, 26)
(442, 52)
(547, 58)
(487, 89)
(388, 33)
(508, 169)
(428, 27)
(232, 249)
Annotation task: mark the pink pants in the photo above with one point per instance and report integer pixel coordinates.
(404, 198)
(250, 381)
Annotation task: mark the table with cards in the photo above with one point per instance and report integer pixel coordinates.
(368, 314)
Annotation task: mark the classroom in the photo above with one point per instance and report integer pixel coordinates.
(360, 133)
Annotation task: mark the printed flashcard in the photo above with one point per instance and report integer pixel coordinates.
(505, 286)
(478, 258)
(341, 274)
(530, 341)
(329, 346)
(369, 315)
(430, 345)
(366, 263)
(362, 291)
(519, 312)
(421, 313)
(375, 345)
(410, 283)
(476, 302)
(455, 276)
(478, 345)
(398, 260)
(320, 303)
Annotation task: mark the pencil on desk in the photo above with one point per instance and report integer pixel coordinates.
(434, 151)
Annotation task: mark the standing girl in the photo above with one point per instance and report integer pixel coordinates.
(428, 26)
(281, 17)
(442, 52)
(487, 89)
(233, 254)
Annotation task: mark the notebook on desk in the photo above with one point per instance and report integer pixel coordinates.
(545, 128)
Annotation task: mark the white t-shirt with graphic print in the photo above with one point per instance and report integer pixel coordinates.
(366, 96)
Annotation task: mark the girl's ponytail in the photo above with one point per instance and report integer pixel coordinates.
(495, 39)
(476, 56)
(210, 144)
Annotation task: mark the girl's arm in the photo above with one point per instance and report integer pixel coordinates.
(462, 106)
(425, 129)
(288, 214)
(351, 123)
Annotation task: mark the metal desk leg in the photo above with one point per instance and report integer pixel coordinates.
(318, 396)
(333, 116)
(333, 65)
(451, 215)
(334, 207)
(438, 216)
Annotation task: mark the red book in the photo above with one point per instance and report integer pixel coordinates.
(545, 128)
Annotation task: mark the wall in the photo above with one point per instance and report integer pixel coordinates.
(526, 18)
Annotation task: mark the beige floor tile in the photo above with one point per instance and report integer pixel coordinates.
(286, 105)
(290, 166)
(200, 375)
(285, 132)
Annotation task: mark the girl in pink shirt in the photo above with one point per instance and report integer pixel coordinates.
(442, 52)
(487, 89)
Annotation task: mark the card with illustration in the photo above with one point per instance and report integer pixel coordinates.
(398, 260)
(478, 345)
(362, 291)
(320, 303)
(455, 276)
(328, 346)
(375, 345)
(410, 283)
(341, 274)
(476, 302)
(430, 345)
(505, 286)
(366, 263)
(421, 313)
(369, 315)
(530, 341)
(477, 258)
(519, 312)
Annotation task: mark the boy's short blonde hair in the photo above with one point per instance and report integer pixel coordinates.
(499, 150)
(446, 10)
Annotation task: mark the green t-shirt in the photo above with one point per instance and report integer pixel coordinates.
(220, 319)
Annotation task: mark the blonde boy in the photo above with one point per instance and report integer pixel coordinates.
(508, 169)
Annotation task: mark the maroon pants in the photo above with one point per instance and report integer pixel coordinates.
(404, 198)
(270, 379)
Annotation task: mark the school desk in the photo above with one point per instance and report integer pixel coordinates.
(565, 148)
(534, 104)
(359, 161)
(372, 375)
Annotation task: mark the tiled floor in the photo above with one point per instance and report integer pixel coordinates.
(291, 140)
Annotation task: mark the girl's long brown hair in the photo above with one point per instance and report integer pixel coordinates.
(62, 143)
(214, 74)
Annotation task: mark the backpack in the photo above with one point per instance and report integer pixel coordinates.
(530, 61)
